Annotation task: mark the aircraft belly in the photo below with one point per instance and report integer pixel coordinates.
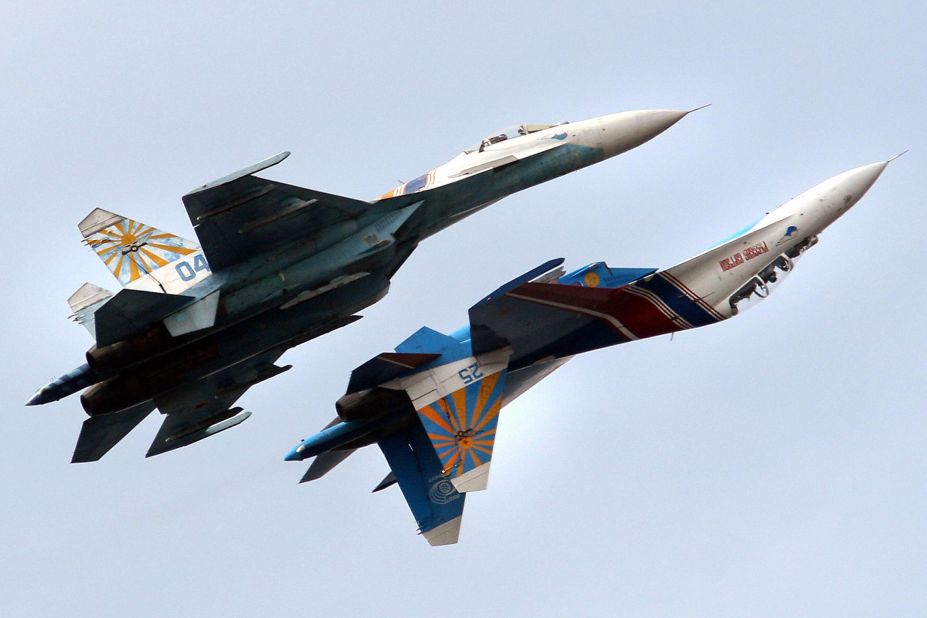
(224, 349)
(372, 250)
(289, 327)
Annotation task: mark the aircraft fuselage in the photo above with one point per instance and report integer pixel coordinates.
(355, 258)
(708, 288)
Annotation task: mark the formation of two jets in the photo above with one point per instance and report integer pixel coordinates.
(195, 325)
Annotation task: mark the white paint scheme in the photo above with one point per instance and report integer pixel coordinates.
(212, 430)
(228, 423)
(98, 219)
(86, 295)
(164, 279)
(810, 212)
(617, 133)
(445, 534)
(84, 302)
(167, 279)
(476, 479)
(611, 134)
(428, 386)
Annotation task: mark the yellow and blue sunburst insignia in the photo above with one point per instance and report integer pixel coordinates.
(462, 426)
(131, 249)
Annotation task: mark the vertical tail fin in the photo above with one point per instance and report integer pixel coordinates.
(462, 427)
(131, 249)
(84, 304)
(435, 504)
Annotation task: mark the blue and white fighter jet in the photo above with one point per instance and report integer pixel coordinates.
(433, 405)
(196, 324)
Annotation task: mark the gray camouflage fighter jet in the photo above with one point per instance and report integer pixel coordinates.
(197, 324)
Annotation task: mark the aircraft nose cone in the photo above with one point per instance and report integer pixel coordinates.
(854, 183)
(626, 130)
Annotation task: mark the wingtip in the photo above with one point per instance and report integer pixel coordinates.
(247, 171)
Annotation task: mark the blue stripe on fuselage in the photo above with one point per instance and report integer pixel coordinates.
(736, 234)
(675, 299)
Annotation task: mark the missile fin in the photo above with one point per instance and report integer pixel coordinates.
(324, 463)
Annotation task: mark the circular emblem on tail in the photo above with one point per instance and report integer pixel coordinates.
(441, 492)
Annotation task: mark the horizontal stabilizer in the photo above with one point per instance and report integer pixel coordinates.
(198, 315)
(388, 481)
(197, 410)
(100, 433)
(385, 367)
(324, 463)
(130, 312)
(435, 504)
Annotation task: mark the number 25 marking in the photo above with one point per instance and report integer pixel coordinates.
(471, 374)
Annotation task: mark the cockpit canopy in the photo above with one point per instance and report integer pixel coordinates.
(510, 133)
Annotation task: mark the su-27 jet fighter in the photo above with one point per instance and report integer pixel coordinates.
(433, 405)
(196, 324)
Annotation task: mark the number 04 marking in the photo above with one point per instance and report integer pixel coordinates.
(188, 272)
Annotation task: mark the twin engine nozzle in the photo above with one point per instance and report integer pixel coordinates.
(371, 403)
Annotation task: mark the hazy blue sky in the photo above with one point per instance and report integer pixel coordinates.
(773, 465)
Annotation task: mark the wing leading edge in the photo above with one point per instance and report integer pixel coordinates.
(241, 215)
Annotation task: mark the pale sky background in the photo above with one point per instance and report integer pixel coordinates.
(772, 465)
